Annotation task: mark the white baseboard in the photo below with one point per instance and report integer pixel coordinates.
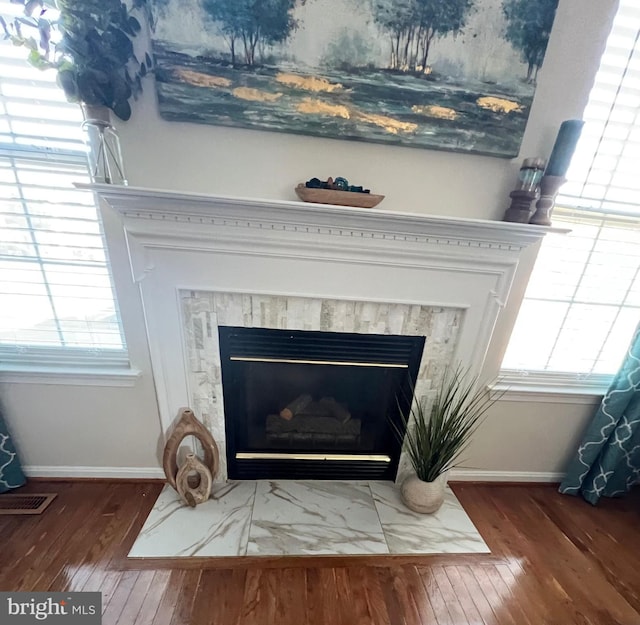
(144, 473)
(131, 473)
(481, 475)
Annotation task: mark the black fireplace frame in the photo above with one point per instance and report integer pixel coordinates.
(242, 342)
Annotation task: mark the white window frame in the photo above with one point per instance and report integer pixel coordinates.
(65, 364)
(570, 387)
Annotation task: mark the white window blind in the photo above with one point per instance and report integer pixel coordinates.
(57, 303)
(583, 300)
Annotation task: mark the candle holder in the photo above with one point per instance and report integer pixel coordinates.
(549, 187)
(520, 209)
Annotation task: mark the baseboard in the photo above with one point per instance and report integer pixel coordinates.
(152, 473)
(481, 475)
(95, 473)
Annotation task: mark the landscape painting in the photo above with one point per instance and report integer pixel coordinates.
(440, 74)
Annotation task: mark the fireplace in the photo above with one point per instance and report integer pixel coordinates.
(315, 405)
(202, 262)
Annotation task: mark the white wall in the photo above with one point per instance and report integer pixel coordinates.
(71, 426)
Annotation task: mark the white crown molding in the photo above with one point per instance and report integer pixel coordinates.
(122, 473)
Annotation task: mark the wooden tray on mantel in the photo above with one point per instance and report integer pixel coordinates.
(341, 198)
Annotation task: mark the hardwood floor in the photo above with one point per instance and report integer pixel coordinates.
(555, 560)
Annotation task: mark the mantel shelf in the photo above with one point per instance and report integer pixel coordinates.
(150, 204)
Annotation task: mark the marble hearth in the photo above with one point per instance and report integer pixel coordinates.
(203, 261)
(294, 518)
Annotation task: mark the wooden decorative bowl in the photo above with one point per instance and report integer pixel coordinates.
(341, 198)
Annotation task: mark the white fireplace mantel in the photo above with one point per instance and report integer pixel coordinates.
(155, 213)
(187, 242)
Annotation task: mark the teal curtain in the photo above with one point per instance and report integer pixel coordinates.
(11, 475)
(608, 460)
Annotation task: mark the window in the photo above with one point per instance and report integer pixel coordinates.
(583, 300)
(57, 304)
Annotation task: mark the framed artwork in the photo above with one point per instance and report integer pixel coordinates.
(440, 74)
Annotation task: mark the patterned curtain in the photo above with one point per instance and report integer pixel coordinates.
(11, 475)
(608, 459)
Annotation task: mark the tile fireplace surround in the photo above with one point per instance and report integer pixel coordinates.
(204, 260)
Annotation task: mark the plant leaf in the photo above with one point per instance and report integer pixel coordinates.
(67, 80)
(134, 25)
(435, 440)
(122, 109)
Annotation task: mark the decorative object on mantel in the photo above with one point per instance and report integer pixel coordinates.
(533, 184)
(526, 190)
(386, 72)
(549, 187)
(188, 425)
(554, 175)
(89, 44)
(339, 184)
(194, 481)
(338, 192)
(105, 156)
(435, 439)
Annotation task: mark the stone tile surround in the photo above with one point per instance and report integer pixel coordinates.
(204, 311)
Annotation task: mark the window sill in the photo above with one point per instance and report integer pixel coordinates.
(548, 388)
(73, 376)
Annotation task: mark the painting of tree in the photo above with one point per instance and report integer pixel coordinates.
(412, 25)
(528, 29)
(437, 74)
(249, 22)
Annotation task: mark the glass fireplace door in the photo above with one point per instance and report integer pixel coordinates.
(314, 404)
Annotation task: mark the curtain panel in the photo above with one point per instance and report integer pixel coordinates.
(607, 462)
(11, 475)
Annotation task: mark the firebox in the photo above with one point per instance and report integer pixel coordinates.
(315, 405)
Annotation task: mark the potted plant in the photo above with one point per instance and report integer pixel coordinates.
(90, 44)
(434, 439)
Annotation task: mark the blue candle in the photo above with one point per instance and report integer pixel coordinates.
(564, 147)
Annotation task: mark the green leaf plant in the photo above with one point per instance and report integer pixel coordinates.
(435, 439)
(89, 43)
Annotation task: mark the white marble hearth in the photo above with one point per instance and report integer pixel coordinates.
(272, 518)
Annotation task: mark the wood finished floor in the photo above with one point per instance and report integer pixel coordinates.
(555, 560)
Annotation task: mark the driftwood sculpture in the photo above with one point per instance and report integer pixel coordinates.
(188, 425)
(199, 490)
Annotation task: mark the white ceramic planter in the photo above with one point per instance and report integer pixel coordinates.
(423, 497)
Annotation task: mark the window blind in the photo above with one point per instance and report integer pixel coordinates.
(583, 299)
(57, 303)
(604, 170)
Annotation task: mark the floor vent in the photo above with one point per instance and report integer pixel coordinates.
(34, 503)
